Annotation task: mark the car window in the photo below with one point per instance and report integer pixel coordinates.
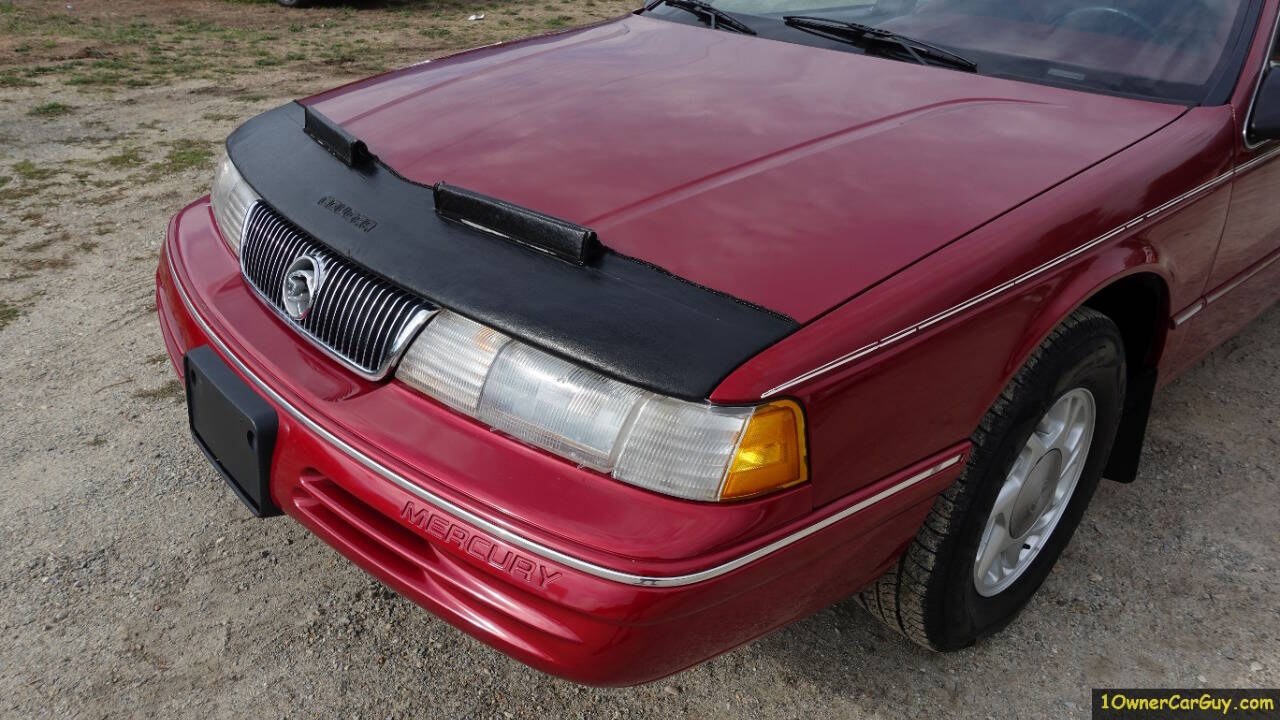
(1166, 49)
(1275, 48)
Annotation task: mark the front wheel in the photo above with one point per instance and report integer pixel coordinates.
(992, 537)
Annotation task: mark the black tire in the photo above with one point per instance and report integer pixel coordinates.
(296, 3)
(930, 595)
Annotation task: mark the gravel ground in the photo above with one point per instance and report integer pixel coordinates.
(133, 583)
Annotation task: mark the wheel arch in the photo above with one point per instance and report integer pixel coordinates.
(1136, 297)
(1138, 304)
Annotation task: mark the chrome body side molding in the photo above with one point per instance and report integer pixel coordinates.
(1022, 279)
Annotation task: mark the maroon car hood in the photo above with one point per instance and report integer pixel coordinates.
(785, 175)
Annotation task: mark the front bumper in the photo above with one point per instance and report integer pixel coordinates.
(605, 605)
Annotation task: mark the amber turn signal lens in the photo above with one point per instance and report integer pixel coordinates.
(771, 455)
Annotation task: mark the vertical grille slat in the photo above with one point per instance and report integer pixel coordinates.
(356, 303)
(374, 310)
(274, 266)
(337, 299)
(378, 332)
(259, 250)
(356, 316)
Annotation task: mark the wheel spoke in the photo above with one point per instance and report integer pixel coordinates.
(1040, 442)
(1042, 523)
(1071, 467)
(1057, 424)
(1010, 556)
(993, 547)
(1002, 509)
(1072, 438)
(1035, 492)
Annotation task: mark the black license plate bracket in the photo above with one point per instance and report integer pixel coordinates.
(234, 427)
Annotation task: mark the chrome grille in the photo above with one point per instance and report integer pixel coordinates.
(356, 317)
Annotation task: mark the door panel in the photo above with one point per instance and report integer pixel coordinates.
(1240, 286)
(1253, 222)
(1223, 318)
(1245, 276)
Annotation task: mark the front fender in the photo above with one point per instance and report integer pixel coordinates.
(911, 364)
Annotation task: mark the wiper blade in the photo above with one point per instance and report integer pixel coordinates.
(867, 35)
(714, 16)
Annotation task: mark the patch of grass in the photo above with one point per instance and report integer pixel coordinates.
(102, 77)
(5, 179)
(127, 158)
(8, 313)
(50, 110)
(339, 55)
(172, 389)
(14, 194)
(219, 117)
(9, 80)
(100, 200)
(28, 170)
(23, 191)
(38, 70)
(97, 441)
(183, 155)
(558, 22)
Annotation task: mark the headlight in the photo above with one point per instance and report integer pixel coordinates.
(691, 450)
(231, 199)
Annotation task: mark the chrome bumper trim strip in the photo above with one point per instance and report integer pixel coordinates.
(520, 541)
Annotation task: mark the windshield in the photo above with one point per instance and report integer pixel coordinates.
(1165, 49)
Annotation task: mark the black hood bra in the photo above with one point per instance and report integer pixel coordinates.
(540, 279)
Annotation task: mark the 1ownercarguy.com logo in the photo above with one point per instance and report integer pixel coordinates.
(1185, 704)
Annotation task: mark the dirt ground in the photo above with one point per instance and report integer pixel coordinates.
(132, 583)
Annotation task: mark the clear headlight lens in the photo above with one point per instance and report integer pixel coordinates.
(690, 450)
(231, 197)
(556, 405)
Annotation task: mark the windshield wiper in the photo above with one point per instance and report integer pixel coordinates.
(714, 16)
(867, 35)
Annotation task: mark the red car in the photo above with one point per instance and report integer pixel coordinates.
(619, 347)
